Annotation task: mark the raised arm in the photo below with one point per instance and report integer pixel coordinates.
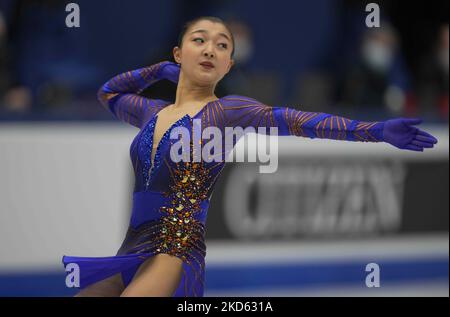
(245, 112)
(120, 95)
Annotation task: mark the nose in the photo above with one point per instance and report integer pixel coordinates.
(208, 54)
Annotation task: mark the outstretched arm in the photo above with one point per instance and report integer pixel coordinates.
(244, 112)
(120, 95)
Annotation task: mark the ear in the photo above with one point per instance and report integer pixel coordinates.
(177, 54)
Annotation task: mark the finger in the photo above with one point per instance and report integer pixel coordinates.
(413, 147)
(425, 139)
(420, 132)
(422, 144)
(413, 121)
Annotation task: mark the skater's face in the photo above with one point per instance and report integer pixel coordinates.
(205, 42)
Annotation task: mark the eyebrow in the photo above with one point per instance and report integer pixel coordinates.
(221, 34)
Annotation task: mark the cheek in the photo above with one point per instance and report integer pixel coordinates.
(224, 67)
(188, 53)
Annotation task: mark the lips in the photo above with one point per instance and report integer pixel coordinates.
(207, 64)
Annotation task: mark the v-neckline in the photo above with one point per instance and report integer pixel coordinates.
(155, 118)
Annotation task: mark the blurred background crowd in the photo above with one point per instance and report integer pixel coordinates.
(309, 55)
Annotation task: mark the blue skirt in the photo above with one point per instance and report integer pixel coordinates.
(158, 224)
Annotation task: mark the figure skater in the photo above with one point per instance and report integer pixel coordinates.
(163, 252)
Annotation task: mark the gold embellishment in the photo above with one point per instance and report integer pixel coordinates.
(181, 231)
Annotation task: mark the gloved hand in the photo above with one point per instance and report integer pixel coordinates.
(401, 133)
(171, 71)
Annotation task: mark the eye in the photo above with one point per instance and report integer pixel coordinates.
(198, 38)
(224, 45)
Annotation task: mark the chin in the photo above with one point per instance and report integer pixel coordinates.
(205, 79)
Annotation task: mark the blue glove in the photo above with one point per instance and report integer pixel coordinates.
(170, 71)
(401, 133)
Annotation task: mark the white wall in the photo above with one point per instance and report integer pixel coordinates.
(66, 188)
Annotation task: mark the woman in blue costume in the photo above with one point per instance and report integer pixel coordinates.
(163, 252)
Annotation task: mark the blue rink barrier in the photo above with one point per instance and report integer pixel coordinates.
(254, 276)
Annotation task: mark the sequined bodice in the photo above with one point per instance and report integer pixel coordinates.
(163, 173)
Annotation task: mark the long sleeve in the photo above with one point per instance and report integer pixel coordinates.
(247, 112)
(120, 95)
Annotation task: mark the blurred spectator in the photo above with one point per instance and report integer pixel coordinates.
(378, 78)
(432, 89)
(236, 82)
(4, 76)
(13, 97)
(51, 69)
(314, 90)
(242, 79)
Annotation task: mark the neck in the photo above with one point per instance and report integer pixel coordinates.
(189, 93)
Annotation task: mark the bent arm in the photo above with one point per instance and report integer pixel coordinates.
(120, 95)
